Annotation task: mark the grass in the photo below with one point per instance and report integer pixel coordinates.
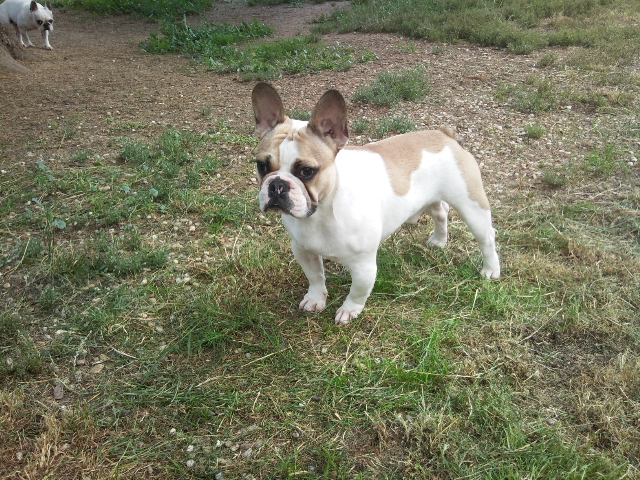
(165, 349)
(521, 28)
(149, 324)
(216, 47)
(391, 88)
(154, 9)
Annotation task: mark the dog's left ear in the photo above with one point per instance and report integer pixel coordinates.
(329, 119)
(267, 107)
(48, 5)
(33, 6)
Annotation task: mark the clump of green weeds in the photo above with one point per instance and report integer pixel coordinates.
(605, 162)
(19, 355)
(384, 127)
(535, 96)
(391, 88)
(216, 46)
(156, 9)
(534, 130)
(206, 40)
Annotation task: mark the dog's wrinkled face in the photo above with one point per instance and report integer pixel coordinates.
(295, 158)
(42, 16)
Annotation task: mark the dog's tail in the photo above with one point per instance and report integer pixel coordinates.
(449, 132)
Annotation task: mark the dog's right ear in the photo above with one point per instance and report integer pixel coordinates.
(267, 107)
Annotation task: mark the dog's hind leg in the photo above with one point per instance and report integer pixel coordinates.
(478, 220)
(439, 212)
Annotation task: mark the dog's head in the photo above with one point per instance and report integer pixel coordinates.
(295, 159)
(42, 16)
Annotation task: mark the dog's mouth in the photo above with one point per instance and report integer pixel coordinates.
(288, 198)
(287, 207)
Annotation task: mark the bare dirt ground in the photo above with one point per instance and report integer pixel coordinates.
(97, 71)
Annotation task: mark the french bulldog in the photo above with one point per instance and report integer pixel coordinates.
(340, 202)
(25, 16)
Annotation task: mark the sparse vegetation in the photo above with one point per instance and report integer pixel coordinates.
(216, 47)
(155, 9)
(510, 24)
(391, 88)
(534, 131)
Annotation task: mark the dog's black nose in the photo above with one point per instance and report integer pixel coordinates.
(278, 188)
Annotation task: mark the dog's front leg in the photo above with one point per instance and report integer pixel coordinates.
(363, 277)
(316, 298)
(45, 36)
(25, 41)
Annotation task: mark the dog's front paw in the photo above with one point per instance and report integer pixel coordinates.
(436, 241)
(490, 272)
(314, 302)
(346, 313)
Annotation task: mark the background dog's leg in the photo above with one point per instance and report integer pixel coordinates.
(45, 36)
(24, 39)
(316, 298)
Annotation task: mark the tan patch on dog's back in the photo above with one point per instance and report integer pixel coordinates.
(402, 156)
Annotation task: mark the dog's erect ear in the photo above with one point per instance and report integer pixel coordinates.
(329, 119)
(33, 7)
(48, 5)
(267, 107)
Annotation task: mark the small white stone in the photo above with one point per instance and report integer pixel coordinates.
(191, 463)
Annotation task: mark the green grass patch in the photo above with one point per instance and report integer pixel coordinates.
(216, 47)
(155, 9)
(534, 130)
(206, 40)
(521, 28)
(391, 88)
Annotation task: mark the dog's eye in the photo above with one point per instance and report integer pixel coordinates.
(262, 167)
(307, 172)
(39, 22)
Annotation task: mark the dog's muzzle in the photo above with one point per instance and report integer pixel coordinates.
(278, 194)
(288, 196)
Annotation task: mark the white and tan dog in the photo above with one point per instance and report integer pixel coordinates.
(341, 202)
(24, 16)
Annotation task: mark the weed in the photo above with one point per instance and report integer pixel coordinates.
(159, 9)
(536, 96)
(605, 162)
(20, 356)
(216, 47)
(547, 60)
(299, 114)
(534, 131)
(390, 88)
(360, 126)
(82, 156)
(394, 125)
(554, 179)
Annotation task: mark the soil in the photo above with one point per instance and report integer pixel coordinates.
(97, 72)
